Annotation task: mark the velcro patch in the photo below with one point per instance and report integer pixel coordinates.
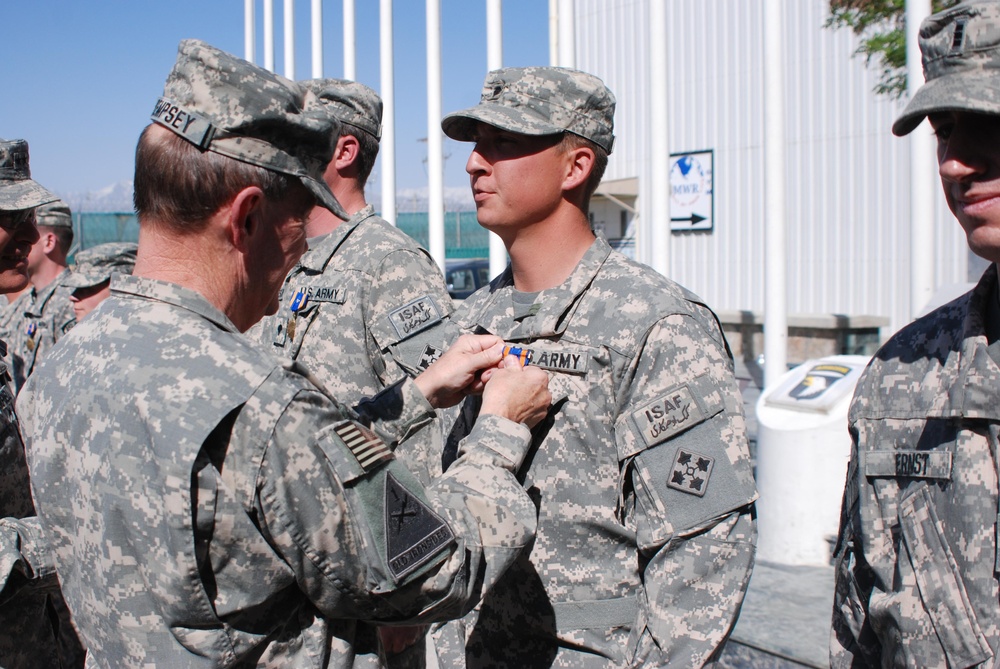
(560, 360)
(366, 446)
(192, 127)
(324, 294)
(668, 415)
(415, 316)
(906, 463)
(429, 356)
(414, 533)
(691, 472)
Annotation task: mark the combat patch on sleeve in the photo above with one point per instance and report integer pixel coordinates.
(691, 472)
(415, 316)
(414, 533)
(677, 410)
(366, 446)
(908, 463)
(428, 357)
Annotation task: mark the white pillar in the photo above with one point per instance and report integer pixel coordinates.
(494, 61)
(350, 42)
(289, 6)
(317, 39)
(269, 35)
(567, 34)
(922, 173)
(775, 302)
(388, 150)
(554, 32)
(658, 190)
(249, 32)
(435, 152)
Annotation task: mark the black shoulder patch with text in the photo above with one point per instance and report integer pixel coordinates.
(413, 532)
(418, 315)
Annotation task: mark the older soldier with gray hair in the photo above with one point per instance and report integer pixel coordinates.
(209, 506)
(641, 470)
(34, 630)
(917, 560)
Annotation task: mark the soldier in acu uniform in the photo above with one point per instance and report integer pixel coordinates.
(46, 313)
(641, 471)
(90, 281)
(366, 305)
(917, 560)
(34, 627)
(209, 506)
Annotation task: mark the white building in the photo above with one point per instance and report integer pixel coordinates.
(847, 183)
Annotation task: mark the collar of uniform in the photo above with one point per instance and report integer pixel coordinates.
(317, 258)
(556, 305)
(172, 294)
(42, 297)
(937, 367)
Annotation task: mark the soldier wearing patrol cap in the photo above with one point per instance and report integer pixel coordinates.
(90, 281)
(209, 506)
(917, 559)
(366, 305)
(32, 634)
(44, 313)
(641, 471)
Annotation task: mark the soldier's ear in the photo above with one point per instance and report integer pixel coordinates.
(244, 217)
(347, 151)
(579, 164)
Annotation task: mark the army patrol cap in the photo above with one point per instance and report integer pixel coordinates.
(350, 102)
(95, 265)
(540, 101)
(960, 49)
(54, 214)
(224, 104)
(17, 189)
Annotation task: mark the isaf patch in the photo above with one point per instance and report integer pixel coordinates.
(668, 415)
(415, 316)
(429, 357)
(414, 533)
(366, 446)
(691, 472)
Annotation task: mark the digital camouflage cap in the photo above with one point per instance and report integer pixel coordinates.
(17, 189)
(95, 265)
(350, 102)
(224, 104)
(960, 49)
(540, 101)
(55, 214)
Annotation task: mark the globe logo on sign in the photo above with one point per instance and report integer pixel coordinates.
(687, 180)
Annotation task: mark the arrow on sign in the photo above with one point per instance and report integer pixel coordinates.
(695, 219)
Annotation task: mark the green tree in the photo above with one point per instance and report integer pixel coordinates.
(881, 26)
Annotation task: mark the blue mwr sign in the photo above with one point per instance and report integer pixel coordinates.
(691, 196)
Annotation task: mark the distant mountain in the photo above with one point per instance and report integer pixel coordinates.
(118, 198)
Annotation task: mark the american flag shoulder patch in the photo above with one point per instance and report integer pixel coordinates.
(366, 446)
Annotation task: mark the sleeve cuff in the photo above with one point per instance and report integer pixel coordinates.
(497, 440)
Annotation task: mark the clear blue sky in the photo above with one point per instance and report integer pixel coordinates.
(80, 77)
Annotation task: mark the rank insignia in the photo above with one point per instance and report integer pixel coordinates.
(522, 354)
(366, 446)
(429, 356)
(413, 532)
(690, 472)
